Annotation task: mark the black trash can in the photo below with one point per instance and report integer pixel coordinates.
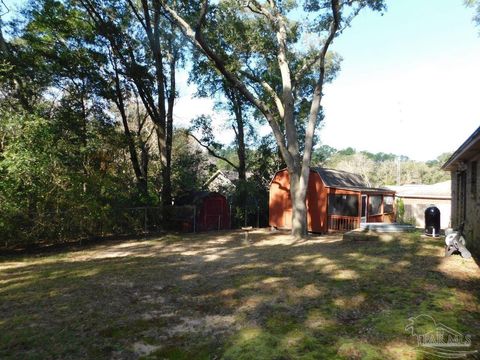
(432, 221)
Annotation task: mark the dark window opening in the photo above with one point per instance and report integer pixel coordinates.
(461, 195)
(388, 204)
(375, 205)
(473, 181)
(343, 205)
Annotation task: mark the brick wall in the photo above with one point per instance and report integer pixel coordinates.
(467, 200)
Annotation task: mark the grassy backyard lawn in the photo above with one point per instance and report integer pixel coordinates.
(212, 296)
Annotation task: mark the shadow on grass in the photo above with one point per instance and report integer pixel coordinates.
(213, 296)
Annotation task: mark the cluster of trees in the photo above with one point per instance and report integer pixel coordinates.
(88, 91)
(380, 169)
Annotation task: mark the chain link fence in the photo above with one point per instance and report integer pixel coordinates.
(81, 223)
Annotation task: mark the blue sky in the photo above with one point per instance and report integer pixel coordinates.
(409, 80)
(408, 84)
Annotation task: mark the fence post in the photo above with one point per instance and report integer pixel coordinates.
(194, 219)
(258, 217)
(145, 220)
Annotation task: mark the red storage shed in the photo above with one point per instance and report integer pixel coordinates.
(210, 208)
(336, 201)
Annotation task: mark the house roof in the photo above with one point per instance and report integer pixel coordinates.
(227, 175)
(345, 180)
(440, 190)
(465, 152)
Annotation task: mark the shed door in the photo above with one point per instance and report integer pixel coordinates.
(213, 214)
(363, 218)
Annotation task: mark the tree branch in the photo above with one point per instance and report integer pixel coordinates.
(212, 152)
(260, 9)
(202, 16)
(137, 14)
(287, 89)
(307, 65)
(266, 86)
(197, 39)
(317, 95)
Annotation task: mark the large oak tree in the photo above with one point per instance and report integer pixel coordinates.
(275, 53)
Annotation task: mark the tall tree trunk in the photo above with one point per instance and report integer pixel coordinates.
(240, 136)
(239, 129)
(84, 141)
(167, 170)
(144, 160)
(140, 171)
(298, 192)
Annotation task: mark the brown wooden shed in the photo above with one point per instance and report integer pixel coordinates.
(336, 201)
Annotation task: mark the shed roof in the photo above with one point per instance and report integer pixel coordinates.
(465, 152)
(345, 180)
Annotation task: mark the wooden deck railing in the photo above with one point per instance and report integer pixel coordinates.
(342, 223)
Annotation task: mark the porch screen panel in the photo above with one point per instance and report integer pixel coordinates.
(388, 204)
(375, 205)
(343, 205)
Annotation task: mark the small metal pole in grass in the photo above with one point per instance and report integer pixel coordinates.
(218, 227)
(258, 217)
(247, 229)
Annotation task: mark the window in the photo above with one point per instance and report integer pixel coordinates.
(375, 205)
(461, 195)
(343, 205)
(473, 180)
(388, 204)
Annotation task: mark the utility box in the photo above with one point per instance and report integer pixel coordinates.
(432, 221)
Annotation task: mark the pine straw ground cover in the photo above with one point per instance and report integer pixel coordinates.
(213, 296)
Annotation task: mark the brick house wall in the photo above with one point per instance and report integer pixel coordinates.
(465, 173)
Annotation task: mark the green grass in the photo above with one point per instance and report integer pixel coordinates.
(211, 296)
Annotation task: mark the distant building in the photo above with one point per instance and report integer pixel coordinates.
(223, 181)
(417, 198)
(463, 167)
